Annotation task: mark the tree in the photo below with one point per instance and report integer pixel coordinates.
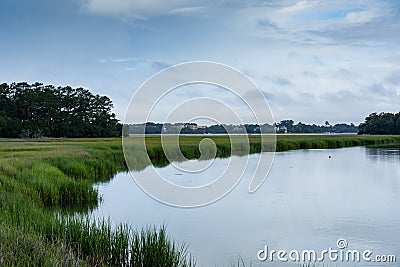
(382, 123)
(397, 123)
(285, 124)
(44, 110)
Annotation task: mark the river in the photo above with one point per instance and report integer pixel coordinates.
(310, 200)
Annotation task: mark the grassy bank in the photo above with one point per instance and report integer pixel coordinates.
(45, 190)
(293, 142)
(44, 182)
(189, 146)
(284, 142)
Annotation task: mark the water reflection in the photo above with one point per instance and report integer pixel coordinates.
(383, 154)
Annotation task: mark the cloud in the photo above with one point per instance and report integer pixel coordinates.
(141, 9)
(360, 16)
(126, 59)
(382, 91)
(299, 6)
(119, 60)
(327, 22)
(186, 10)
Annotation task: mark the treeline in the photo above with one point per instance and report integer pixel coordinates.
(382, 123)
(36, 110)
(286, 126)
(193, 128)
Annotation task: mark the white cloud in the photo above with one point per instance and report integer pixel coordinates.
(299, 6)
(186, 10)
(360, 16)
(126, 59)
(140, 9)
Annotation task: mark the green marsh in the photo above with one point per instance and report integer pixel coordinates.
(46, 190)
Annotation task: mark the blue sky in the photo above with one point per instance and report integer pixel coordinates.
(315, 60)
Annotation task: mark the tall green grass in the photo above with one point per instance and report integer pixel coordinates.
(189, 146)
(20, 249)
(285, 143)
(40, 193)
(103, 245)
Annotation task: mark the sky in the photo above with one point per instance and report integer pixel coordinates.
(314, 60)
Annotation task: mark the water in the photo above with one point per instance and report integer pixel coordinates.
(311, 199)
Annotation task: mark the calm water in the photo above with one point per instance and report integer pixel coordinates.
(309, 201)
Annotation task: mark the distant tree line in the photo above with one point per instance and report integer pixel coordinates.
(382, 123)
(285, 126)
(35, 110)
(193, 128)
(288, 126)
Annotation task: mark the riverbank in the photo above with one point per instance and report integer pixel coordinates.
(43, 182)
(46, 190)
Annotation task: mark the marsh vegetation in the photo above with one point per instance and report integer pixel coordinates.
(46, 190)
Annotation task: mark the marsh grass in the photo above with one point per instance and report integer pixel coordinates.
(152, 247)
(103, 245)
(40, 192)
(293, 142)
(226, 146)
(20, 249)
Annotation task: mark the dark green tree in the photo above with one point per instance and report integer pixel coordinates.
(43, 110)
(382, 123)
